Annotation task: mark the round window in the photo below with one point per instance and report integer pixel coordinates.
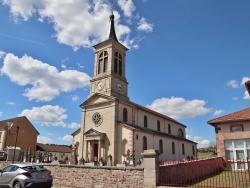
(97, 118)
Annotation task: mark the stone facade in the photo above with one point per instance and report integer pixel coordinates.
(112, 125)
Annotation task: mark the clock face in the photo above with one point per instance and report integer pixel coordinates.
(100, 85)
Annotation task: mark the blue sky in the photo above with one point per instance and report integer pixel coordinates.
(187, 59)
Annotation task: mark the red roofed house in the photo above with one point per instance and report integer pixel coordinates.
(50, 152)
(233, 134)
(27, 134)
(17, 132)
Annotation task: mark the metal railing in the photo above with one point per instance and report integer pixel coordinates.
(214, 172)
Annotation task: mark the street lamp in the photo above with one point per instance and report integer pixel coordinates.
(17, 129)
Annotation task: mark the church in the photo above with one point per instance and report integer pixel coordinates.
(114, 127)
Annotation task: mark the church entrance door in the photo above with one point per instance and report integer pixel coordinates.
(95, 152)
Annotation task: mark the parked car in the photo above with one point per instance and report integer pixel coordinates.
(25, 175)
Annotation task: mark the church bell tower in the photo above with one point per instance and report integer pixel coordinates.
(110, 67)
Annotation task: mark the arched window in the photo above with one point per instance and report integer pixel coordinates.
(180, 133)
(115, 65)
(102, 62)
(125, 115)
(169, 129)
(183, 149)
(120, 67)
(158, 125)
(99, 66)
(145, 121)
(144, 143)
(105, 62)
(118, 63)
(160, 146)
(173, 148)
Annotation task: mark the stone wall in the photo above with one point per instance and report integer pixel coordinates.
(73, 176)
(81, 176)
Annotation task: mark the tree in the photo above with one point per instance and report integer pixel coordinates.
(213, 147)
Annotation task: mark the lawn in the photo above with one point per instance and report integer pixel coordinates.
(205, 155)
(227, 179)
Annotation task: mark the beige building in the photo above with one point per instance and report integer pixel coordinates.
(112, 125)
(54, 152)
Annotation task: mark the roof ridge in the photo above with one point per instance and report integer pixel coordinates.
(240, 112)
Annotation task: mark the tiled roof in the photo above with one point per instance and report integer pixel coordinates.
(242, 115)
(151, 131)
(134, 104)
(17, 120)
(53, 148)
(157, 113)
(3, 123)
(76, 132)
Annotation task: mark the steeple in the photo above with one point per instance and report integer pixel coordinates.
(112, 34)
(110, 67)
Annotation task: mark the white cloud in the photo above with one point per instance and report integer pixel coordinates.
(80, 66)
(67, 138)
(44, 140)
(179, 108)
(218, 112)
(10, 103)
(233, 84)
(24, 9)
(2, 54)
(75, 98)
(246, 95)
(46, 81)
(189, 137)
(48, 115)
(197, 138)
(189, 130)
(1, 113)
(202, 143)
(144, 25)
(235, 98)
(244, 79)
(76, 24)
(127, 6)
(74, 125)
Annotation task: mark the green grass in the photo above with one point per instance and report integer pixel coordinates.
(205, 155)
(227, 179)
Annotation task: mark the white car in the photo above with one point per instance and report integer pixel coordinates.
(25, 175)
